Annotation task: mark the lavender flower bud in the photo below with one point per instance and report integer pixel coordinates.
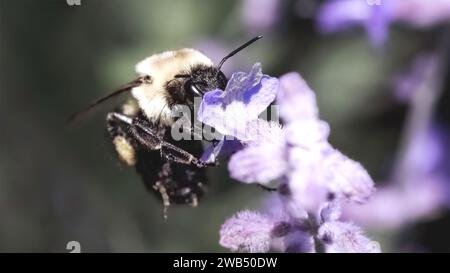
(345, 237)
(247, 231)
(347, 178)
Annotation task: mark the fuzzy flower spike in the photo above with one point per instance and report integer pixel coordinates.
(314, 178)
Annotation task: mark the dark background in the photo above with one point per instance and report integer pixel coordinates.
(59, 184)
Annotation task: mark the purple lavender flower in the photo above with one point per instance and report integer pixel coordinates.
(290, 232)
(262, 161)
(314, 177)
(233, 111)
(421, 194)
(338, 15)
(260, 15)
(245, 97)
(395, 206)
(301, 153)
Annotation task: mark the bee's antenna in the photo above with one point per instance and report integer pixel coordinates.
(232, 53)
(123, 89)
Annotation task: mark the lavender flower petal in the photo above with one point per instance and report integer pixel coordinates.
(339, 15)
(257, 164)
(297, 101)
(308, 135)
(319, 176)
(347, 178)
(224, 147)
(245, 97)
(247, 231)
(340, 237)
(263, 160)
(306, 190)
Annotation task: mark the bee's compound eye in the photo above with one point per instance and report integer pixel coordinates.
(196, 90)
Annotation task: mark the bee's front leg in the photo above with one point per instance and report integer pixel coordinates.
(148, 138)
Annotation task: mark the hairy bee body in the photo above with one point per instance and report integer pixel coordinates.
(169, 168)
(140, 129)
(171, 181)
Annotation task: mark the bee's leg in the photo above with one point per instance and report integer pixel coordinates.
(121, 141)
(165, 197)
(148, 138)
(267, 188)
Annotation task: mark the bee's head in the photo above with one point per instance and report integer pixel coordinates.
(202, 79)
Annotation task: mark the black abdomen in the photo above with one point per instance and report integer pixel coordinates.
(171, 181)
(182, 183)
